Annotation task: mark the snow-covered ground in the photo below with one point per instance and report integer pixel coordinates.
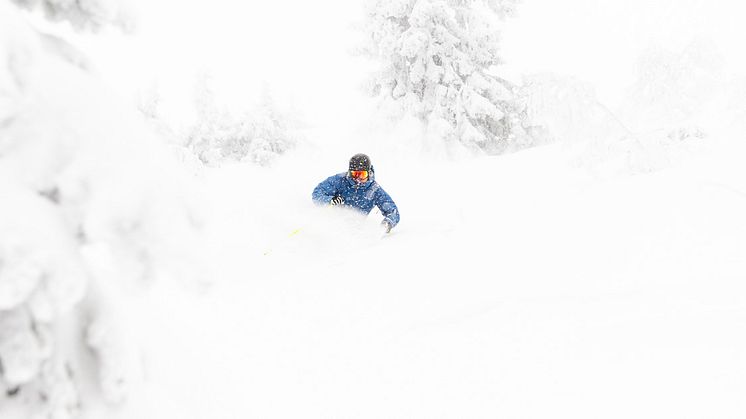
(599, 276)
(515, 286)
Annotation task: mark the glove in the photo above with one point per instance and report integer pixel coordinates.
(337, 200)
(386, 226)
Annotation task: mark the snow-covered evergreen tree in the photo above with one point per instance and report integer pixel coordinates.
(257, 136)
(437, 62)
(675, 86)
(568, 111)
(91, 209)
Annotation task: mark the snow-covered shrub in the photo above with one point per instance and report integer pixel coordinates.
(258, 136)
(150, 104)
(92, 208)
(437, 60)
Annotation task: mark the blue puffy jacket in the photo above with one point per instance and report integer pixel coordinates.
(359, 196)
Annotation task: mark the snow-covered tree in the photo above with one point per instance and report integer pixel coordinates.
(566, 110)
(675, 86)
(89, 14)
(92, 208)
(257, 136)
(438, 59)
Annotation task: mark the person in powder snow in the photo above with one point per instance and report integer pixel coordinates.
(358, 189)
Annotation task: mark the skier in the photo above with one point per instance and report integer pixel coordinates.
(358, 189)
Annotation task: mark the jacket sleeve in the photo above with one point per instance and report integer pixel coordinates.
(388, 207)
(325, 191)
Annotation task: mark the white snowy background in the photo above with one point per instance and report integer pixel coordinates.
(160, 256)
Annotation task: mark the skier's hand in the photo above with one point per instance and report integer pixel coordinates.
(386, 226)
(337, 200)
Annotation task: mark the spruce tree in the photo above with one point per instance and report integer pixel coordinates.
(437, 61)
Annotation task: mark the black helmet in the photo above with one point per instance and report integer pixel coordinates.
(360, 162)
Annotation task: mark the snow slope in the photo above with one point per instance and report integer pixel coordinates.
(556, 282)
(515, 286)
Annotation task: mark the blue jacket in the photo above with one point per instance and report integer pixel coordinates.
(361, 197)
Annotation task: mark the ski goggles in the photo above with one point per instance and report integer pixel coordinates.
(359, 175)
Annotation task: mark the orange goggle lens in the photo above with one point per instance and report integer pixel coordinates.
(359, 175)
